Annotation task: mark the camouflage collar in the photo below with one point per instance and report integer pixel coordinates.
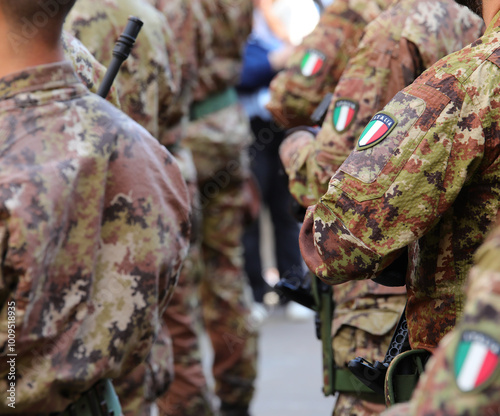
(494, 24)
(40, 78)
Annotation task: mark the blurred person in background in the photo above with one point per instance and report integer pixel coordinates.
(266, 51)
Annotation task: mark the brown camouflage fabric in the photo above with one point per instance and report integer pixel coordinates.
(351, 342)
(224, 287)
(219, 143)
(148, 82)
(441, 391)
(188, 393)
(226, 297)
(231, 23)
(89, 257)
(150, 78)
(395, 49)
(88, 69)
(193, 37)
(295, 96)
(430, 183)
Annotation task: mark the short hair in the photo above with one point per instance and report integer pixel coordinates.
(30, 19)
(36, 10)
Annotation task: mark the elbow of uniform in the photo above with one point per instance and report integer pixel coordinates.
(332, 253)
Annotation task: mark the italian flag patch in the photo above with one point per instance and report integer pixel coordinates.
(377, 130)
(476, 359)
(312, 62)
(344, 114)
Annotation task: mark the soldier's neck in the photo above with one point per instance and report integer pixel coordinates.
(490, 9)
(16, 59)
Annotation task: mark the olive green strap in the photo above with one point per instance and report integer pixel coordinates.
(403, 374)
(403, 386)
(213, 103)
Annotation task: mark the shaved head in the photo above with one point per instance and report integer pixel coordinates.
(34, 9)
(35, 20)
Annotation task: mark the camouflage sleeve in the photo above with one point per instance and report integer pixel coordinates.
(463, 375)
(380, 68)
(97, 231)
(170, 79)
(138, 201)
(295, 150)
(88, 69)
(317, 64)
(399, 180)
(230, 23)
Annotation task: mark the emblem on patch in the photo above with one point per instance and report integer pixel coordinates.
(377, 130)
(344, 114)
(476, 359)
(312, 62)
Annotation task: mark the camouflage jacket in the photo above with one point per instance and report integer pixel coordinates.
(318, 62)
(231, 23)
(193, 37)
(89, 70)
(148, 80)
(94, 228)
(425, 175)
(395, 49)
(462, 378)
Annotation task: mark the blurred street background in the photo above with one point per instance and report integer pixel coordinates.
(290, 370)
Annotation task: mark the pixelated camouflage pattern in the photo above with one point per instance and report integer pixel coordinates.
(150, 78)
(139, 390)
(432, 185)
(437, 392)
(148, 82)
(219, 144)
(349, 343)
(69, 193)
(188, 394)
(294, 97)
(355, 306)
(231, 23)
(193, 37)
(88, 69)
(395, 49)
(226, 297)
(363, 326)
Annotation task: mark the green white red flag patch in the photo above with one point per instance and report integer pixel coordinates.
(344, 114)
(312, 62)
(377, 130)
(476, 359)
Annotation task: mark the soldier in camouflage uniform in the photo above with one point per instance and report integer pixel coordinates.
(188, 393)
(218, 135)
(462, 377)
(89, 70)
(318, 62)
(424, 175)
(149, 79)
(148, 85)
(396, 47)
(91, 245)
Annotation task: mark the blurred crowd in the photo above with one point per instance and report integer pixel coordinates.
(337, 158)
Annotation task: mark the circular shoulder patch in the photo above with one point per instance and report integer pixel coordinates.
(377, 130)
(476, 359)
(312, 62)
(344, 113)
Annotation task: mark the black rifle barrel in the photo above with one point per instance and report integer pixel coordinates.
(122, 50)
